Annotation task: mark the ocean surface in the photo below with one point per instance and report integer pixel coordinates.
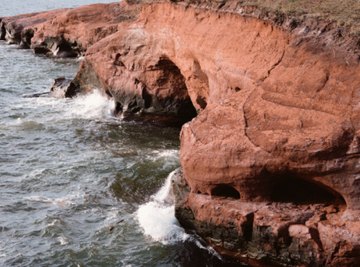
(79, 187)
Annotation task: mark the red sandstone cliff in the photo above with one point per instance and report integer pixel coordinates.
(271, 163)
(65, 32)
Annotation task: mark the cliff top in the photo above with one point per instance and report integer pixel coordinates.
(322, 20)
(346, 13)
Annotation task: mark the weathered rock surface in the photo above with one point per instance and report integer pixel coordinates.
(271, 163)
(70, 33)
(270, 233)
(140, 80)
(20, 29)
(278, 123)
(64, 88)
(65, 32)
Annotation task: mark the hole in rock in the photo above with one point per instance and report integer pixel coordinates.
(293, 189)
(178, 102)
(147, 98)
(164, 99)
(224, 190)
(117, 61)
(108, 93)
(65, 49)
(186, 112)
(201, 101)
(118, 108)
(2, 30)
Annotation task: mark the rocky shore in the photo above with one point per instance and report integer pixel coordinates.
(270, 148)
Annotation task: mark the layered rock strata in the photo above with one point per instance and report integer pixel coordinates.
(271, 163)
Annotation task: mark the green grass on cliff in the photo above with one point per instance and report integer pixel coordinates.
(345, 12)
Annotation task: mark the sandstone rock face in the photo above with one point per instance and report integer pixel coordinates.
(281, 126)
(278, 123)
(271, 163)
(141, 79)
(76, 29)
(65, 32)
(20, 29)
(272, 159)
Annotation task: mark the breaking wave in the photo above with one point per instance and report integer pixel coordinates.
(157, 217)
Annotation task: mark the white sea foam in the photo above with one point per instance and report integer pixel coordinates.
(167, 154)
(157, 217)
(2, 251)
(91, 106)
(169, 157)
(63, 240)
(53, 223)
(62, 202)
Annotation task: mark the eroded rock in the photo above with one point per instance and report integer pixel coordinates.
(275, 141)
(269, 233)
(20, 29)
(65, 32)
(13, 33)
(57, 47)
(63, 87)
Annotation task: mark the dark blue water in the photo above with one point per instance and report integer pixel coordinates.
(76, 184)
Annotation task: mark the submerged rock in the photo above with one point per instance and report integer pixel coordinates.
(61, 88)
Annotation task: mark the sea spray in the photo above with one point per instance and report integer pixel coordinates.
(157, 217)
(158, 221)
(91, 106)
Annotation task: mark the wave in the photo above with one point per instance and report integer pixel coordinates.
(34, 113)
(61, 202)
(91, 106)
(157, 217)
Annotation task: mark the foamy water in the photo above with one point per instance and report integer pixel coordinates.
(157, 217)
(158, 222)
(91, 106)
(95, 106)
